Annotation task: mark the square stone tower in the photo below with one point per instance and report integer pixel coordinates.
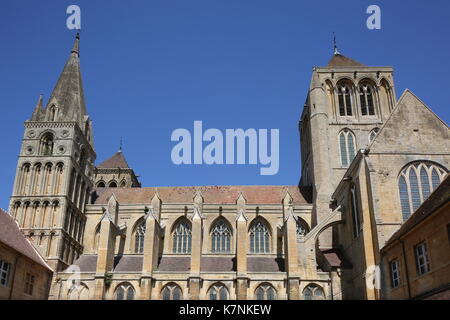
(346, 105)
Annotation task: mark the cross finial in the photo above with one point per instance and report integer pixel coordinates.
(336, 51)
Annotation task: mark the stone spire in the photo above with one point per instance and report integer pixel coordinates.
(68, 95)
(37, 113)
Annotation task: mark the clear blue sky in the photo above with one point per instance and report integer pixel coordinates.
(150, 67)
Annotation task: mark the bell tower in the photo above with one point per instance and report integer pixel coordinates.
(346, 105)
(55, 168)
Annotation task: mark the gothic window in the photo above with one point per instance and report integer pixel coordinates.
(182, 237)
(221, 237)
(302, 229)
(218, 292)
(366, 99)
(265, 292)
(52, 114)
(171, 292)
(372, 134)
(415, 184)
(25, 180)
(124, 291)
(345, 99)
(113, 184)
(139, 238)
(47, 142)
(101, 184)
(79, 292)
(259, 237)
(313, 292)
(123, 184)
(357, 226)
(347, 147)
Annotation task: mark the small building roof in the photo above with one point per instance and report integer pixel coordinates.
(11, 236)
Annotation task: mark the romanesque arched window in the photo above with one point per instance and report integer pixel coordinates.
(265, 292)
(221, 237)
(124, 291)
(344, 99)
(366, 99)
(416, 182)
(182, 237)
(347, 147)
(171, 292)
(372, 134)
(313, 292)
(139, 237)
(218, 292)
(259, 237)
(46, 144)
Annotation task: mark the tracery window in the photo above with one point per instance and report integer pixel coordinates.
(416, 182)
(313, 292)
(139, 238)
(259, 238)
(221, 237)
(182, 237)
(344, 99)
(302, 229)
(124, 291)
(265, 292)
(171, 292)
(218, 292)
(366, 99)
(347, 147)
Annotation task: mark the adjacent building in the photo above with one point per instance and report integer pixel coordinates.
(24, 274)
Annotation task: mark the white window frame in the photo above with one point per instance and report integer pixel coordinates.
(5, 269)
(422, 259)
(395, 273)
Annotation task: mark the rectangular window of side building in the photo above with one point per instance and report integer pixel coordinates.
(395, 273)
(29, 284)
(4, 273)
(422, 258)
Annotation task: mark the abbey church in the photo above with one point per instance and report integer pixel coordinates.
(369, 219)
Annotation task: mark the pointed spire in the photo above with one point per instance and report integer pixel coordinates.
(76, 45)
(68, 94)
(37, 110)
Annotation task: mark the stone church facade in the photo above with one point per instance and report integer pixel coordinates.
(368, 161)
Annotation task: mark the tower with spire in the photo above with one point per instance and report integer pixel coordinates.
(54, 174)
(346, 105)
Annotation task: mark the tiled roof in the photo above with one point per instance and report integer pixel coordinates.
(133, 263)
(116, 161)
(439, 197)
(265, 264)
(211, 194)
(11, 236)
(338, 60)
